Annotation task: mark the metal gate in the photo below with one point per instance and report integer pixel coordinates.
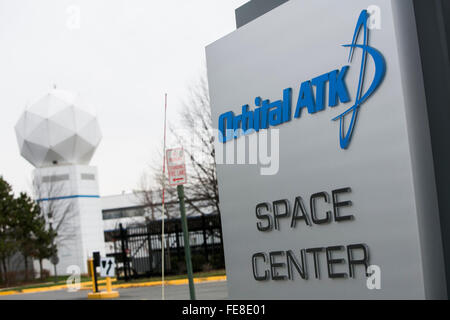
(137, 249)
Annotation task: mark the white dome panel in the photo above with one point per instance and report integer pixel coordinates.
(37, 152)
(82, 118)
(82, 147)
(65, 118)
(40, 135)
(31, 122)
(66, 147)
(53, 157)
(91, 132)
(25, 151)
(58, 133)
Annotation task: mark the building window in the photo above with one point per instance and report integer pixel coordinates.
(55, 178)
(123, 213)
(112, 214)
(87, 176)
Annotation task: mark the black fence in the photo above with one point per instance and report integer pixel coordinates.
(137, 249)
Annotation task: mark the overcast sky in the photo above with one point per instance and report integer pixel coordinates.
(121, 58)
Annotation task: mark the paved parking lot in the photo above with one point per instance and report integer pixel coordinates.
(204, 291)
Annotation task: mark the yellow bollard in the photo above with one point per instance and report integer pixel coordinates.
(91, 273)
(108, 284)
(108, 294)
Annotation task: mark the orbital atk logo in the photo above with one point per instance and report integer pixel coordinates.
(269, 114)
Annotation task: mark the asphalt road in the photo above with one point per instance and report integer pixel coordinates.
(203, 291)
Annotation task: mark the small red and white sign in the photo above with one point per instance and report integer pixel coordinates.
(176, 166)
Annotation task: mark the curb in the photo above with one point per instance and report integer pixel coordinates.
(87, 285)
(168, 282)
(83, 284)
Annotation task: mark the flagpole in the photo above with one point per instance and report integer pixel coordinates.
(163, 192)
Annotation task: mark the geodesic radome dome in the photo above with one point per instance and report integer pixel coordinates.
(57, 130)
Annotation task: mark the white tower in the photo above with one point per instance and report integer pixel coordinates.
(59, 138)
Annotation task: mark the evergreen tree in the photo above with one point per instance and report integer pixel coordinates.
(28, 228)
(22, 229)
(7, 220)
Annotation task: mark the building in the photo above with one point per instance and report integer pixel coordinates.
(126, 209)
(59, 136)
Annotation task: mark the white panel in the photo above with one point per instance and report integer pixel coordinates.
(20, 130)
(40, 107)
(65, 118)
(66, 148)
(57, 133)
(82, 118)
(91, 132)
(38, 152)
(82, 146)
(53, 157)
(56, 105)
(32, 121)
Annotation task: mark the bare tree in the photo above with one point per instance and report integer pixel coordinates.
(58, 211)
(196, 136)
(151, 197)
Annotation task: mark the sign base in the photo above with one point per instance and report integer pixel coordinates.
(103, 295)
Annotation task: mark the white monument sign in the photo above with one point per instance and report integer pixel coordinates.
(352, 211)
